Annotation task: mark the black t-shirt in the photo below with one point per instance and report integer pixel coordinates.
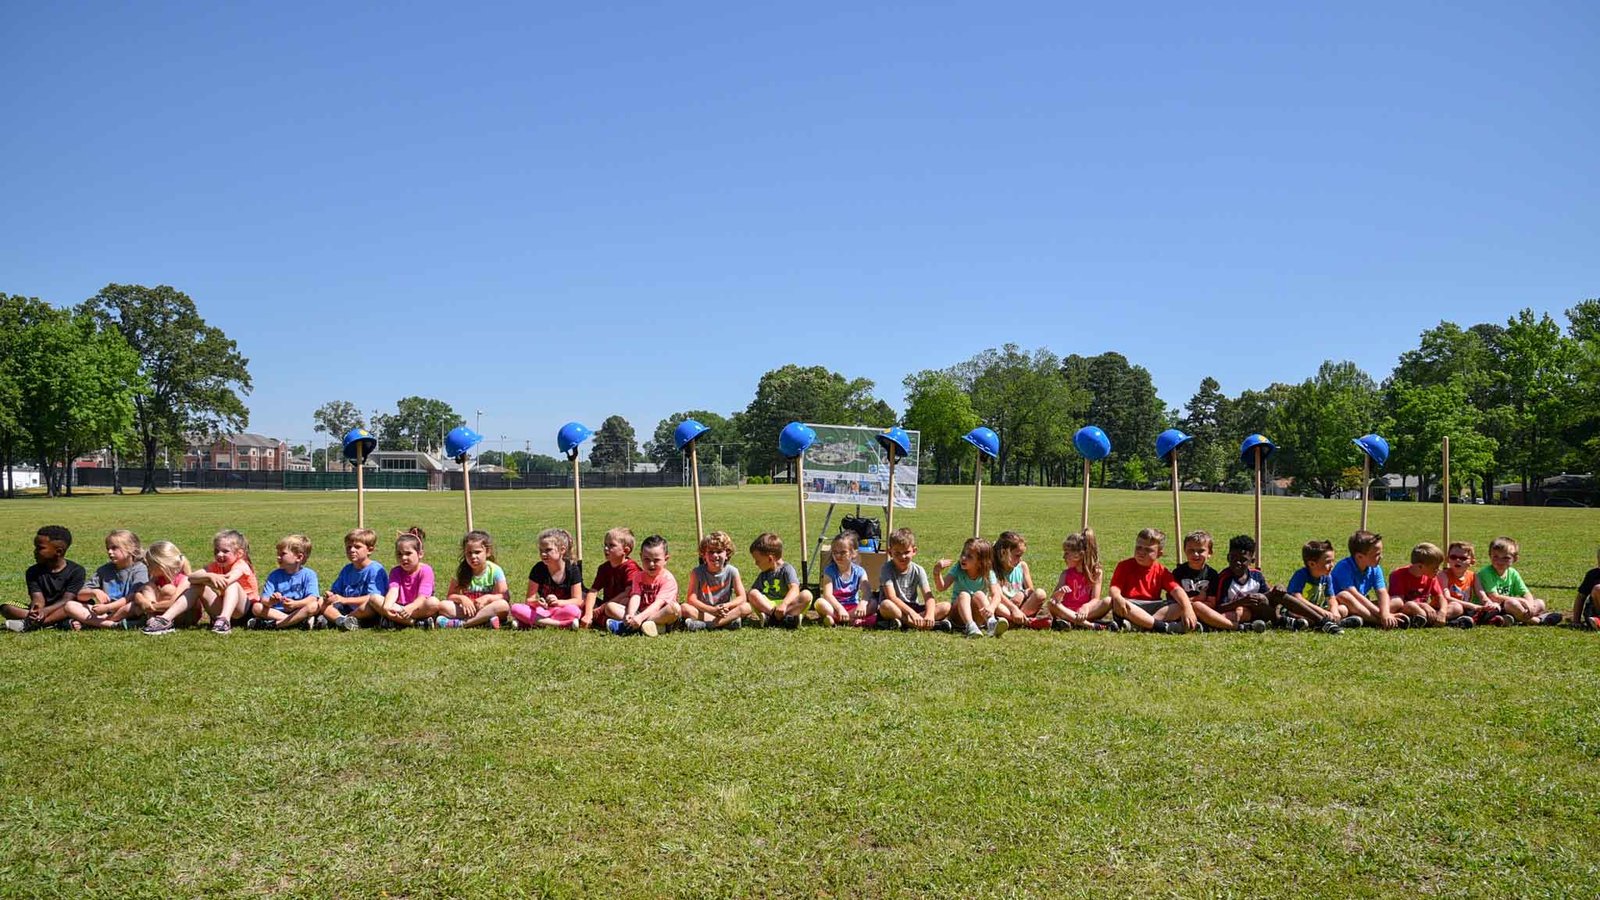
(55, 586)
(1589, 581)
(547, 586)
(1199, 584)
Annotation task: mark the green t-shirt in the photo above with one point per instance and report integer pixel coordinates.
(484, 583)
(1509, 584)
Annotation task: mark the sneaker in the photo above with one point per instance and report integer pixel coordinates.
(348, 623)
(616, 626)
(944, 626)
(1331, 627)
(1350, 622)
(1296, 623)
(886, 624)
(495, 623)
(990, 626)
(1040, 623)
(973, 631)
(1462, 622)
(1553, 618)
(1000, 628)
(15, 625)
(1403, 620)
(255, 624)
(445, 622)
(737, 624)
(1256, 625)
(649, 629)
(1594, 623)
(1060, 625)
(791, 622)
(1114, 624)
(221, 626)
(320, 621)
(1166, 628)
(158, 625)
(695, 625)
(1502, 620)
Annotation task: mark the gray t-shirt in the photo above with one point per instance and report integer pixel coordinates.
(118, 583)
(909, 585)
(714, 590)
(774, 583)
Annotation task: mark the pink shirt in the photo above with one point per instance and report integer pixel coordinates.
(412, 585)
(1072, 589)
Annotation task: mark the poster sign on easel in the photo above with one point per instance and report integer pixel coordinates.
(847, 464)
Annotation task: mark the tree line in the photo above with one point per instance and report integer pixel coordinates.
(138, 371)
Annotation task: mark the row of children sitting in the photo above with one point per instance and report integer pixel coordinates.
(990, 587)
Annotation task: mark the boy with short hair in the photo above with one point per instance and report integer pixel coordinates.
(1359, 574)
(1308, 599)
(1418, 590)
(1138, 585)
(359, 590)
(716, 597)
(776, 595)
(653, 596)
(1240, 597)
(1502, 584)
(291, 594)
(53, 582)
(908, 600)
(607, 596)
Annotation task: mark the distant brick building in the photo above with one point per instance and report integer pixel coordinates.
(242, 452)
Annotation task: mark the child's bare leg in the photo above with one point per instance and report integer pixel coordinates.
(667, 614)
(1034, 602)
(492, 610)
(830, 611)
(13, 611)
(731, 611)
(1131, 611)
(1207, 615)
(798, 606)
(1012, 612)
(759, 604)
(965, 609)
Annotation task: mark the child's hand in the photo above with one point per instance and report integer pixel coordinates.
(944, 562)
(585, 620)
(469, 606)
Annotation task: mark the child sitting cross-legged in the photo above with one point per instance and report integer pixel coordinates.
(1419, 590)
(1199, 580)
(1144, 595)
(653, 599)
(775, 596)
(1307, 599)
(1241, 593)
(290, 595)
(1077, 601)
(908, 601)
(846, 594)
(974, 590)
(1503, 585)
(716, 597)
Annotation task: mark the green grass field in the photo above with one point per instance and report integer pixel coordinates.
(817, 763)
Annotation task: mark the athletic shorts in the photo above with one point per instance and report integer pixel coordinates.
(1151, 606)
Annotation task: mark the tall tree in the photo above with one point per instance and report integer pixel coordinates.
(1318, 420)
(194, 371)
(1122, 402)
(336, 417)
(1204, 418)
(419, 423)
(661, 450)
(1024, 398)
(941, 409)
(1537, 373)
(615, 449)
(804, 394)
(16, 313)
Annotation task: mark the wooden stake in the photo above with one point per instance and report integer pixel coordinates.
(1258, 506)
(889, 513)
(1085, 494)
(1446, 493)
(977, 497)
(1366, 484)
(466, 486)
(1177, 514)
(800, 489)
(694, 480)
(361, 492)
(577, 508)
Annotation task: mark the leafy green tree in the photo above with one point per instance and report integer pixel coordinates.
(1024, 398)
(663, 452)
(1122, 401)
(1421, 417)
(1204, 418)
(615, 449)
(16, 312)
(804, 394)
(419, 423)
(1537, 375)
(336, 417)
(76, 384)
(194, 372)
(939, 407)
(1314, 426)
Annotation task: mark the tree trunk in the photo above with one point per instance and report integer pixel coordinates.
(148, 486)
(116, 471)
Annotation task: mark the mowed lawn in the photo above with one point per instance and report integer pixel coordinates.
(816, 763)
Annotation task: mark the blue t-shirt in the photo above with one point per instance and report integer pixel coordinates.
(298, 586)
(1314, 591)
(1347, 575)
(354, 582)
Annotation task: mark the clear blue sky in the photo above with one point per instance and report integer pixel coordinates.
(564, 211)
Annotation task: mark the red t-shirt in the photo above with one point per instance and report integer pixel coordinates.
(614, 583)
(1404, 586)
(1138, 582)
